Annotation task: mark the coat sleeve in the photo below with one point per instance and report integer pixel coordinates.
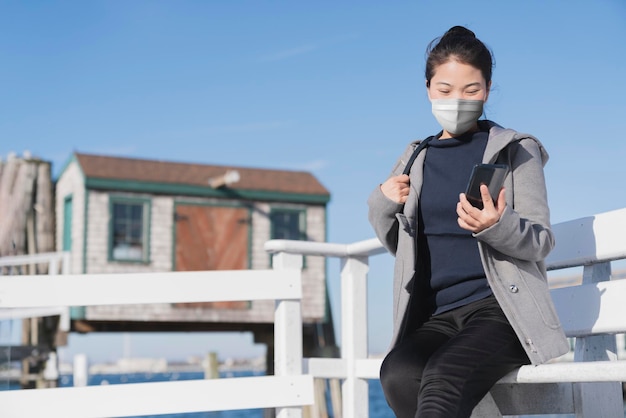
(382, 216)
(382, 210)
(523, 230)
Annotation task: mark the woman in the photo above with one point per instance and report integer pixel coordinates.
(471, 300)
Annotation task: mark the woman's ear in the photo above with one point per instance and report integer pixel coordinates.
(488, 91)
(428, 89)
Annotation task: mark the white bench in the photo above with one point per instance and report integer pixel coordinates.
(592, 313)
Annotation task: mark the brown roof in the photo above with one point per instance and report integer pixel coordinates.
(118, 168)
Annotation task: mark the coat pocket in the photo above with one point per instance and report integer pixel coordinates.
(540, 293)
(530, 294)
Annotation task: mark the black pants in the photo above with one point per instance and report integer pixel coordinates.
(448, 365)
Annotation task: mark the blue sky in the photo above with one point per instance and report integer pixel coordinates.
(334, 88)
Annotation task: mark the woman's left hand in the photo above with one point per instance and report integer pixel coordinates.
(476, 220)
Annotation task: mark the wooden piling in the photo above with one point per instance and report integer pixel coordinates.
(27, 227)
(211, 366)
(43, 209)
(26, 207)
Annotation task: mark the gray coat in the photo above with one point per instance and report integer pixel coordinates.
(512, 251)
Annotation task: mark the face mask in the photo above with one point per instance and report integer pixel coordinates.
(457, 116)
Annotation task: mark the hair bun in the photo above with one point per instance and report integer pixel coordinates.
(458, 31)
(462, 45)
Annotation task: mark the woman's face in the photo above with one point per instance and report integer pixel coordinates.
(455, 80)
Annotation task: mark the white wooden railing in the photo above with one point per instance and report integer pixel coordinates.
(591, 242)
(287, 390)
(57, 263)
(354, 367)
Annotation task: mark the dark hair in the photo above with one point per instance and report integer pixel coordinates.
(461, 44)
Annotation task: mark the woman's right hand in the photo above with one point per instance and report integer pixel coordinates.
(396, 188)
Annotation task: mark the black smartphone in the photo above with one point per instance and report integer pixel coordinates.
(491, 175)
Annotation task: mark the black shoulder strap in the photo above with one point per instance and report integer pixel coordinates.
(418, 149)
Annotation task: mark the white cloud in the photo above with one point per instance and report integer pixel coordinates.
(253, 127)
(306, 48)
(313, 165)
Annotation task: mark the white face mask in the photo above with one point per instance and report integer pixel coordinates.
(457, 116)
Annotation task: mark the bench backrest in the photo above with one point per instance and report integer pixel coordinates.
(590, 309)
(589, 240)
(597, 305)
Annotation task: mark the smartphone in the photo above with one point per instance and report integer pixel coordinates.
(491, 175)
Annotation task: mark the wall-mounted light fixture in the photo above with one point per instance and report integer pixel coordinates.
(225, 180)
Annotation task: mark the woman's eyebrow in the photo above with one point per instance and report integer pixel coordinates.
(444, 83)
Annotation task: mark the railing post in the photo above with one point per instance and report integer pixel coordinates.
(288, 332)
(65, 319)
(354, 334)
(65, 265)
(53, 266)
(597, 399)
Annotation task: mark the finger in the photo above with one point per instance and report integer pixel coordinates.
(465, 219)
(501, 201)
(486, 196)
(459, 211)
(463, 201)
(403, 178)
(463, 224)
(466, 204)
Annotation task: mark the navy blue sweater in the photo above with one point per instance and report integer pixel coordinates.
(449, 258)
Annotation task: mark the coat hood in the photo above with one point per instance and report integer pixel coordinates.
(500, 138)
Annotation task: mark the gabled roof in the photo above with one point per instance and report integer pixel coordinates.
(105, 172)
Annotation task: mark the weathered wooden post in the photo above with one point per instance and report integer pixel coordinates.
(27, 227)
(210, 366)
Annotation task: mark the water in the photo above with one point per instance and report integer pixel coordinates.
(377, 403)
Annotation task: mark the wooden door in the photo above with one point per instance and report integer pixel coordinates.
(212, 238)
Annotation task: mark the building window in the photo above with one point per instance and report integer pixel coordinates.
(288, 224)
(129, 228)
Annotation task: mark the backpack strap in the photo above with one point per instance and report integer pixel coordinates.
(418, 149)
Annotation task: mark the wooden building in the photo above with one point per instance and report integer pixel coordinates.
(133, 215)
